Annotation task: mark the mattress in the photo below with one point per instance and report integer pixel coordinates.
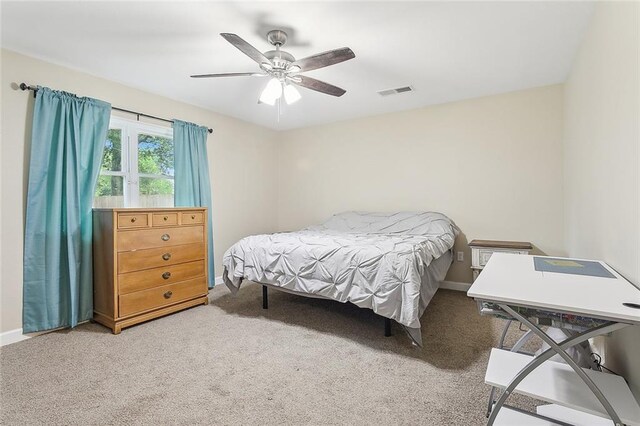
(387, 262)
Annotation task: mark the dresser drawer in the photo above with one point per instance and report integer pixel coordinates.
(165, 219)
(158, 297)
(137, 260)
(133, 220)
(152, 238)
(156, 277)
(190, 218)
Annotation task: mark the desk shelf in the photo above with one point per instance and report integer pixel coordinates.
(557, 383)
(570, 416)
(509, 417)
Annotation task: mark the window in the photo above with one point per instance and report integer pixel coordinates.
(137, 166)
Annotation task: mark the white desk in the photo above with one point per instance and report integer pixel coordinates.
(509, 283)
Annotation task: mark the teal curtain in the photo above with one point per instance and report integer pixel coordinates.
(191, 175)
(67, 142)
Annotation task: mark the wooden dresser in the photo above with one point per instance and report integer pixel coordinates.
(147, 263)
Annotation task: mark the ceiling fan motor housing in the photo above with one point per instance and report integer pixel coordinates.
(277, 37)
(279, 58)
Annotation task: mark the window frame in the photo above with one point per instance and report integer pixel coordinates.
(130, 130)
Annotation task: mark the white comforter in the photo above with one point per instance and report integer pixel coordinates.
(373, 260)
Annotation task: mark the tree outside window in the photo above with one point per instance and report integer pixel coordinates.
(136, 174)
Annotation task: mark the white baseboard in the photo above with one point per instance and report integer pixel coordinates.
(218, 280)
(12, 336)
(454, 285)
(15, 336)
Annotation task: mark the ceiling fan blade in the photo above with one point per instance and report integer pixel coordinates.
(324, 59)
(318, 86)
(246, 48)
(230, 74)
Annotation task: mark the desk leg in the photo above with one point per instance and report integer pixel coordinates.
(504, 333)
(492, 394)
(560, 350)
(516, 348)
(521, 341)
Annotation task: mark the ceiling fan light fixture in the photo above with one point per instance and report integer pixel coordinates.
(272, 92)
(270, 102)
(291, 94)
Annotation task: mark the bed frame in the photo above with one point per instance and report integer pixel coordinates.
(265, 305)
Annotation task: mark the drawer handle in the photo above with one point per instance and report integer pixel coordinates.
(166, 256)
(166, 217)
(193, 216)
(133, 219)
(168, 294)
(166, 275)
(165, 237)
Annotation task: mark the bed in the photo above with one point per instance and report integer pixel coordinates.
(392, 263)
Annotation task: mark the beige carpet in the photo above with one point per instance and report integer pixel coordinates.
(303, 361)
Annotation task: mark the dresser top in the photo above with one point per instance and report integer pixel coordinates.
(146, 209)
(516, 245)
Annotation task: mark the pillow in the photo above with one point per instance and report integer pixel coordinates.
(407, 223)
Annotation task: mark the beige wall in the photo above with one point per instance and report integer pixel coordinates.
(241, 158)
(493, 165)
(601, 160)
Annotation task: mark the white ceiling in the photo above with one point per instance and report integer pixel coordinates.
(446, 50)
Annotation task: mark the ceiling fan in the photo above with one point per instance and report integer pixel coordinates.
(284, 69)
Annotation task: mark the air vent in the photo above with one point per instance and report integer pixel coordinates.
(388, 92)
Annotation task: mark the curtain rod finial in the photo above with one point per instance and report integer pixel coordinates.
(23, 86)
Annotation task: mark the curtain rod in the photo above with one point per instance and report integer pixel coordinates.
(24, 86)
